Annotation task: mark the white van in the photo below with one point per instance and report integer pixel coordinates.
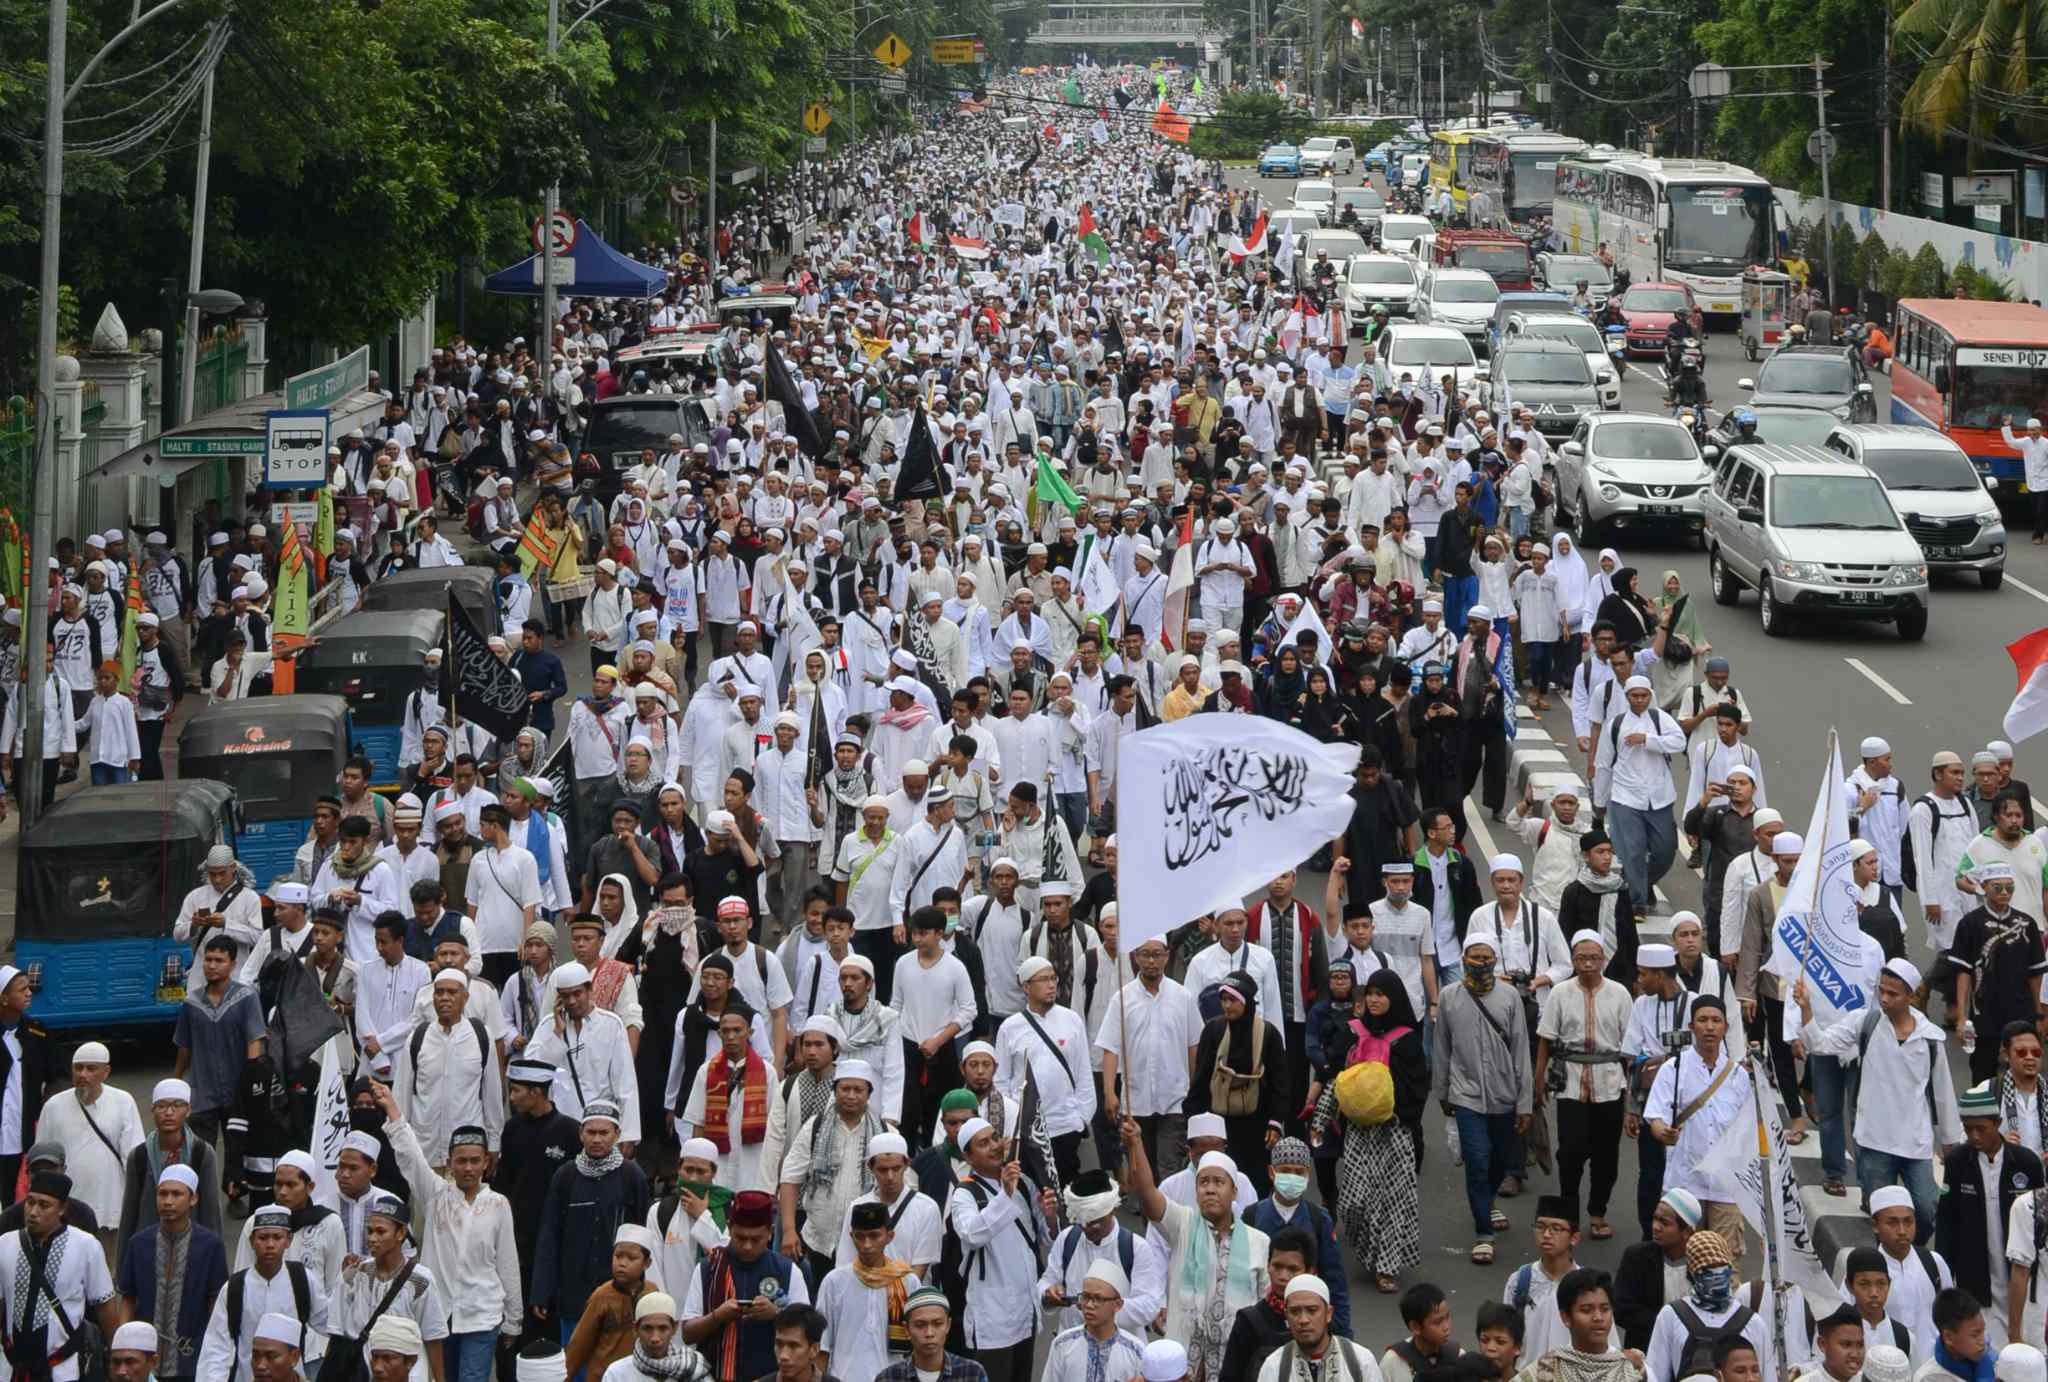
(1414, 169)
(1329, 154)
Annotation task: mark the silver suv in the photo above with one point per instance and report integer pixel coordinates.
(1933, 482)
(1548, 377)
(1812, 532)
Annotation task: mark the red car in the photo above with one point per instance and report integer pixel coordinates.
(1649, 309)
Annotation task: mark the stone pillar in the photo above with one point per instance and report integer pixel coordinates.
(119, 377)
(255, 364)
(69, 399)
(152, 358)
(415, 345)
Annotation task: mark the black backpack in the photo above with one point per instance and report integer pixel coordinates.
(1697, 1353)
(1907, 872)
(238, 1287)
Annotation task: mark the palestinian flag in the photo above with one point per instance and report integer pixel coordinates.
(1089, 236)
(914, 230)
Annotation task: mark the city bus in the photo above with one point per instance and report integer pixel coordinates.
(1446, 164)
(1961, 367)
(1699, 222)
(1519, 167)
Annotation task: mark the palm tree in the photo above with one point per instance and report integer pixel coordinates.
(1976, 65)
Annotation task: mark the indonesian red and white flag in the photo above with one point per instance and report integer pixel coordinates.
(2028, 713)
(913, 229)
(1243, 248)
(1304, 322)
(1180, 584)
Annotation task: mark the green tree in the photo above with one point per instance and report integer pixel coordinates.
(1978, 61)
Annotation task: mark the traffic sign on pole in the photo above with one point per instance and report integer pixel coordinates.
(817, 116)
(1820, 146)
(954, 51)
(561, 234)
(892, 51)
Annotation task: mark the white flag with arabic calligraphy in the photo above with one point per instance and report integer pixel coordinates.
(1210, 807)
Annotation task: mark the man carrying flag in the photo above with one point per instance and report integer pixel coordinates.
(1091, 238)
(1244, 247)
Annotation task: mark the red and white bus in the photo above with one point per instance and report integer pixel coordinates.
(1962, 367)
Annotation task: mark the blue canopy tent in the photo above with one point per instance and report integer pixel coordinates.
(598, 271)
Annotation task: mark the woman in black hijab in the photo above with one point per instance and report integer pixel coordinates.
(1379, 1205)
(1322, 712)
(1238, 1052)
(1629, 612)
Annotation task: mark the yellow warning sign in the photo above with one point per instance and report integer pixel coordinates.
(892, 51)
(954, 51)
(817, 115)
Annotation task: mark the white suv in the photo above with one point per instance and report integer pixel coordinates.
(1936, 488)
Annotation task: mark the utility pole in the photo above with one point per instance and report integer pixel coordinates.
(552, 203)
(189, 357)
(43, 507)
(1820, 101)
(1884, 119)
(711, 213)
(1315, 49)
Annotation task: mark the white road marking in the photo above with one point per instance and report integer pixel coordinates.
(2016, 583)
(1879, 682)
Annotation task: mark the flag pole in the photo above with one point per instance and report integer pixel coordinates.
(1819, 854)
(1773, 1267)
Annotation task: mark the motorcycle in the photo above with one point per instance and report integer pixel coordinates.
(1686, 385)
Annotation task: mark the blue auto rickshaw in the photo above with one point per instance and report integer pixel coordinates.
(374, 660)
(280, 754)
(103, 874)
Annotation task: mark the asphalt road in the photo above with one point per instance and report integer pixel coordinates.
(1949, 691)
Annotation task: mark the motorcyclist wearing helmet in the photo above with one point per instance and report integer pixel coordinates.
(1689, 384)
(1582, 298)
(1376, 325)
(1745, 428)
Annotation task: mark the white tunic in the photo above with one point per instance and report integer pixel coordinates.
(98, 1171)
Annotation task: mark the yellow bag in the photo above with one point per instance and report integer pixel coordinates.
(1365, 1094)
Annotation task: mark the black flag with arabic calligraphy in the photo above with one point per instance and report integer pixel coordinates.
(484, 690)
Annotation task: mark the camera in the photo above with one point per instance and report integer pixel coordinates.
(1678, 1040)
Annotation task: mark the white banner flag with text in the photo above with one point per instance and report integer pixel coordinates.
(1816, 930)
(1210, 807)
(1736, 1156)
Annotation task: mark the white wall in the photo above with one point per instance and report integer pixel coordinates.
(2021, 263)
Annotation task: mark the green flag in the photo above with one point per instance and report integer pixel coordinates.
(1072, 91)
(1160, 82)
(1198, 86)
(1052, 487)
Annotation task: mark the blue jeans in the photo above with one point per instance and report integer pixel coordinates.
(1829, 1085)
(1875, 1170)
(468, 1357)
(1460, 594)
(1073, 809)
(1486, 1140)
(1518, 523)
(1645, 843)
(106, 774)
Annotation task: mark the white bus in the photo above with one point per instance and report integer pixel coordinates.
(1699, 222)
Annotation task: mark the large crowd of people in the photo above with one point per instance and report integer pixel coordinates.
(788, 1033)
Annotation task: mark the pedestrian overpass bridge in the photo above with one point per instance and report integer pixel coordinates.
(1105, 23)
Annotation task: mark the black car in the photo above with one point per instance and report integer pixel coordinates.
(623, 426)
(1828, 377)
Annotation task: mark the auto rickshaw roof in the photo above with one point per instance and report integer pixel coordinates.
(400, 634)
(133, 813)
(309, 722)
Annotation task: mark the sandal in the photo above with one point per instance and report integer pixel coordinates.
(1482, 1252)
(1601, 1229)
(1834, 1188)
(1509, 1188)
(1386, 1284)
(1500, 1222)
(1795, 1136)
